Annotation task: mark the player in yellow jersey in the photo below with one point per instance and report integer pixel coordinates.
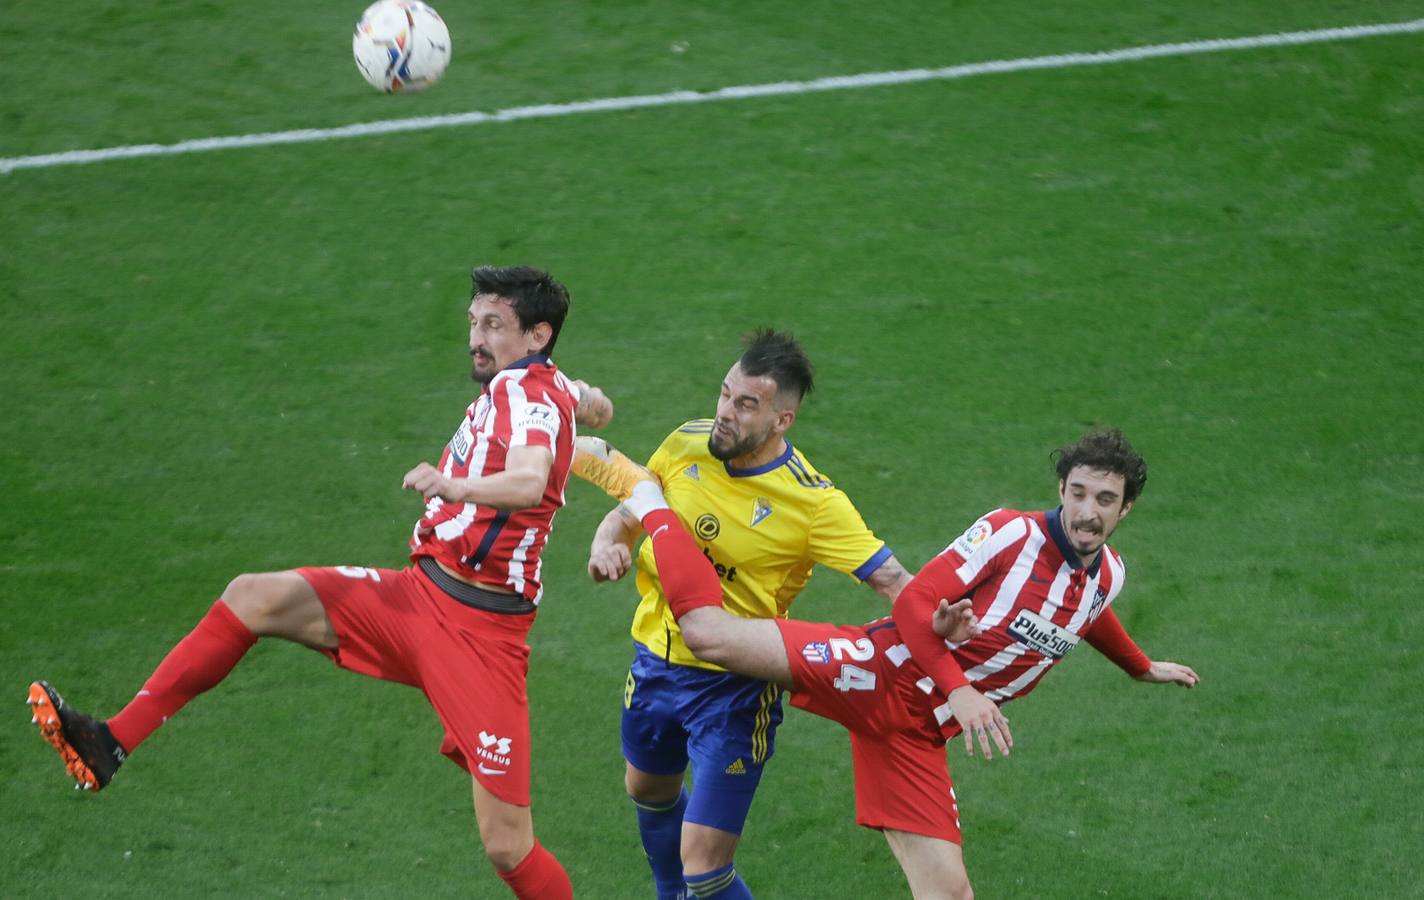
(764, 517)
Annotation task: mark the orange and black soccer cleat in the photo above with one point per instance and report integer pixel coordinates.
(89, 751)
(599, 462)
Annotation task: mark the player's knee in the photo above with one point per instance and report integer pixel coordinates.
(960, 891)
(637, 790)
(506, 848)
(957, 886)
(256, 600)
(656, 790)
(706, 849)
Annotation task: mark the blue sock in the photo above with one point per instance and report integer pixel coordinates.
(720, 884)
(661, 829)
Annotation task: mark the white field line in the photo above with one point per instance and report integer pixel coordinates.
(777, 89)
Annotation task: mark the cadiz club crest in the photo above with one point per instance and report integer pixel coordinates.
(760, 510)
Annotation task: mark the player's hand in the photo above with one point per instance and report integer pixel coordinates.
(956, 621)
(980, 718)
(594, 409)
(1170, 673)
(428, 480)
(609, 562)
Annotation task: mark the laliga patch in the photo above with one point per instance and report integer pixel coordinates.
(540, 417)
(1037, 633)
(973, 539)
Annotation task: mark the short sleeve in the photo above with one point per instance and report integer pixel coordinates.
(980, 550)
(840, 539)
(533, 421)
(664, 459)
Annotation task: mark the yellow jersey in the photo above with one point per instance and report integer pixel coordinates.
(763, 529)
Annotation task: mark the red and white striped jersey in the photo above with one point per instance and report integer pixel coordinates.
(528, 403)
(1034, 601)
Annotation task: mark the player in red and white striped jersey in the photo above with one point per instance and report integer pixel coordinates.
(977, 627)
(528, 404)
(454, 623)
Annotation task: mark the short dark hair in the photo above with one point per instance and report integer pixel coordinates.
(535, 296)
(779, 355)
(1105, 450)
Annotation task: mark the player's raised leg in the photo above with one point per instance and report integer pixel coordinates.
(750, 647)
(934, 867)
(278, 604)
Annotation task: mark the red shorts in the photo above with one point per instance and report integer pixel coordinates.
(471, 664)
(843, 673)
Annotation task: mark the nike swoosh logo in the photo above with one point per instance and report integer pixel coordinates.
(1039, 580)
(486, 770)
(661, 529)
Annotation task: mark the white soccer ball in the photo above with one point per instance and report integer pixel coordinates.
(401, 45)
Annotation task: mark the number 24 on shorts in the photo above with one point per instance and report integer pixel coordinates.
(853, 678)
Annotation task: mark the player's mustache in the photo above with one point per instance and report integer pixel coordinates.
(481, 355)
(1088, 525)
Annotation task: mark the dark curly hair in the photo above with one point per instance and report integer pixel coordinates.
(535, 296)
(1104, 451)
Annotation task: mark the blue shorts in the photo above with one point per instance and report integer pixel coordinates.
(724, 724)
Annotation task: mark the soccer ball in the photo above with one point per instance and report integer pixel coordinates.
(401, 45)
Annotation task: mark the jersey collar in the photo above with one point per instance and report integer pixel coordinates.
(538, 359)
(764, 467)
(1060, 540)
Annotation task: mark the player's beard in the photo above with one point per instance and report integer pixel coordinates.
(736, 447)
(475, 374)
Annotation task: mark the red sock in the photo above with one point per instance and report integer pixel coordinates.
(539, 877)
(200, 661)
(689, 581)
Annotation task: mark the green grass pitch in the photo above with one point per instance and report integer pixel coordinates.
(224, 362)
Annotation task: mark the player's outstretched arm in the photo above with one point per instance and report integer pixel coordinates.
(1109, 638)
(611, 554)
(594, 409)
(1170, 673)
